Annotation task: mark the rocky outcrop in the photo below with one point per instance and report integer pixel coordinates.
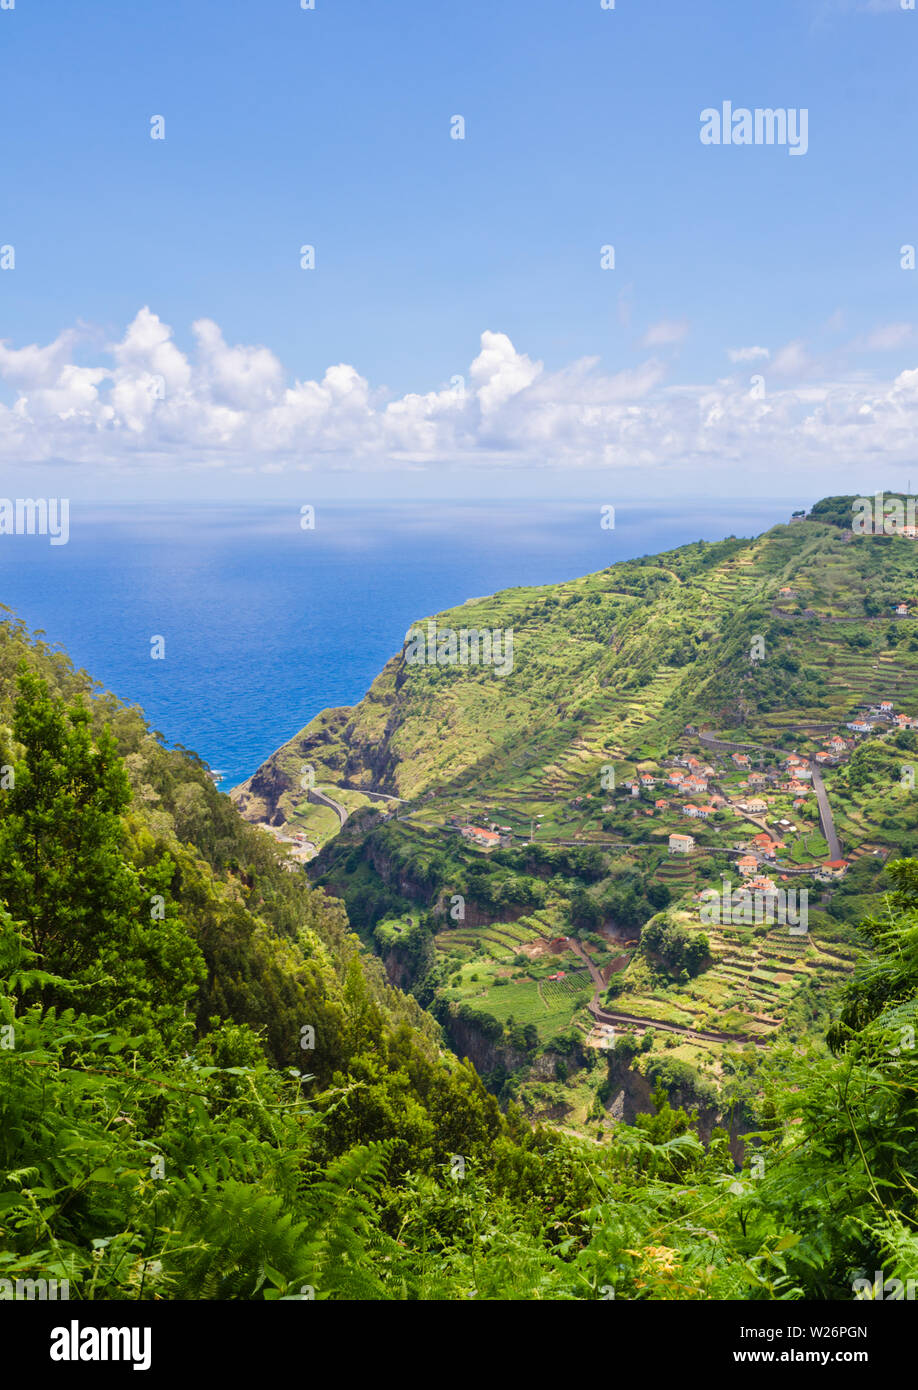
(338, 747)
(486, 1056)
(632, 1095)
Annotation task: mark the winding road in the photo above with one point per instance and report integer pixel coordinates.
(323, 799)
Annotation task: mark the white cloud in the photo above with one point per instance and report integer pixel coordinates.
(147, 347)
(240, 376)
(666, 333)
(147, 404)
(500, 372)
(889, 337)
(36, 366)
(791, 360)
(73, 396)
(747, 354)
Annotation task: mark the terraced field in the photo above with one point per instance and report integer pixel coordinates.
(747, 987)
(628, 667)
(594, 679)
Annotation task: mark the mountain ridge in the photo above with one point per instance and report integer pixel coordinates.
(639, 662)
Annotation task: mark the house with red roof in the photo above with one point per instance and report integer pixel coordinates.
(489, 839)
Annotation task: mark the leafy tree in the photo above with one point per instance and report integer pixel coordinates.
(65, 874)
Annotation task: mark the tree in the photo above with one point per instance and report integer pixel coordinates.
(679, 949)
(65, 873)
(585, 913)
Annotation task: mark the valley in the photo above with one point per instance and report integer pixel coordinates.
(523, 986)
(734, 713)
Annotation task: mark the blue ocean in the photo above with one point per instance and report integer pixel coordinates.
(265, 623)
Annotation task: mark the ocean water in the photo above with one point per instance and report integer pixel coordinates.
(265, 624)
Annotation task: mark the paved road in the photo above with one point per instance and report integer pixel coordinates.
(826, 819)
(704, 1035)
(324, 800)
(590, 964)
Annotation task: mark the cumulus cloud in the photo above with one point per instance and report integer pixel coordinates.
(499, 372)
(147, 348)
(36, 366)
(147, 403)
(242, 377)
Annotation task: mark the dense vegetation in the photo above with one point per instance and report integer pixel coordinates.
(621, 677)
(207, 1090)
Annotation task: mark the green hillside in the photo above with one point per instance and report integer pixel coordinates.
(610, 668)
(512, 1064)
(774, 645)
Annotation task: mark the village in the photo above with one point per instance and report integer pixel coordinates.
(776, 793)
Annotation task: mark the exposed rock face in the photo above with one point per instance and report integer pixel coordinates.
(401, 969)
(478, 916)
(485, 1055)
(400, 879)
(632, 1096)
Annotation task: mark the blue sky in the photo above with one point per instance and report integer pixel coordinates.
(332, 127)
